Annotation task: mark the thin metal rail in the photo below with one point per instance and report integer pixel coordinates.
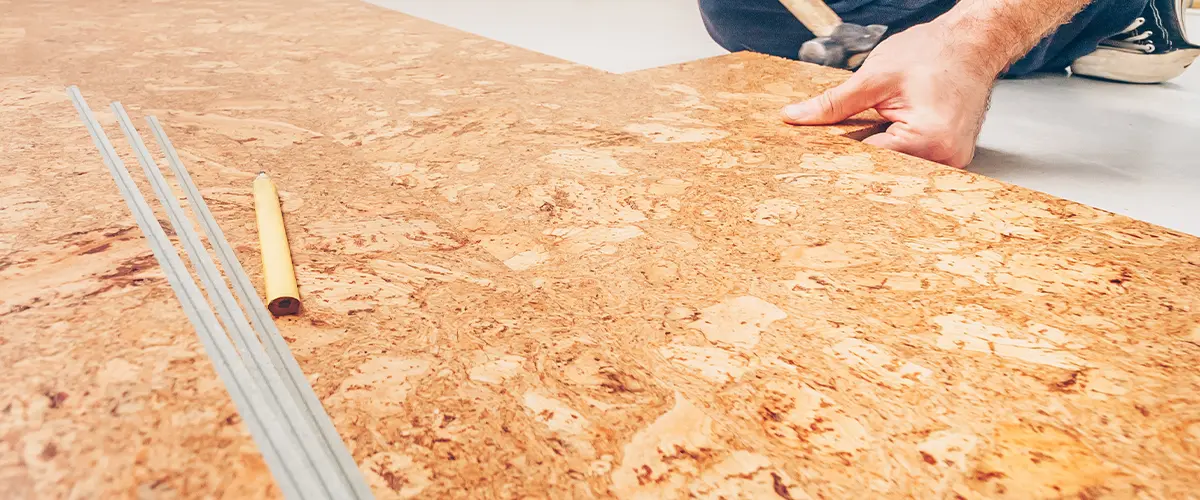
(298, 442)
(252, 353)
(277, 348)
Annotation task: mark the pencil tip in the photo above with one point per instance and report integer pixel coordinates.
(262, 173)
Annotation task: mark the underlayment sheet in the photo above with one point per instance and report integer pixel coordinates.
(527, 278)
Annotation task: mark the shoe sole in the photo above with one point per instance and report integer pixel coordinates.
(1134, 67)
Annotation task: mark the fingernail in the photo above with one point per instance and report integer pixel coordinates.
(797, 111)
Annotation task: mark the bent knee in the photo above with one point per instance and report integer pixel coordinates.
(763, 26)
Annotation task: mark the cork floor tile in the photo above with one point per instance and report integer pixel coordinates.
(524, 277)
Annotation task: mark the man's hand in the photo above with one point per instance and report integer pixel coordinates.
(934, 94)
(933, 80)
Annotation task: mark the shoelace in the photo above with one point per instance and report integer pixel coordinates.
(1133, 40)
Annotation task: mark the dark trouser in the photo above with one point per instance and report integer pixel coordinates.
(766, 26)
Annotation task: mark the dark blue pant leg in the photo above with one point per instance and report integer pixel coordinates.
(766, 26)
(1099, 20)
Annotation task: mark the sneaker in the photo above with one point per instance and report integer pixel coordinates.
(1153, 49)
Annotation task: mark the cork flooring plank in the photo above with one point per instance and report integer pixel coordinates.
(746, 90)
(524, 277)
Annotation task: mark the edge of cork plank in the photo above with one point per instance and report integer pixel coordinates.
(776, 81)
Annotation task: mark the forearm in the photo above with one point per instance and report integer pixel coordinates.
(996, 33)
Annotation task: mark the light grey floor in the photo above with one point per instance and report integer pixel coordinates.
(1131, 149)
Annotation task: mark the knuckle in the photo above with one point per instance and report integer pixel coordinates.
(963, 159)
(942, 144)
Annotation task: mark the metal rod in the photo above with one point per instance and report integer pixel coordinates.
(281, 356)
(279, 452)
(316, 461)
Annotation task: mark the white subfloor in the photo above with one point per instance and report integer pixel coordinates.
(1131, 149)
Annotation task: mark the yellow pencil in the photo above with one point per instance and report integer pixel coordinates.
(283, 296)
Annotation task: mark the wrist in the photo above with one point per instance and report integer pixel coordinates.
(978, 42)
(995, 33)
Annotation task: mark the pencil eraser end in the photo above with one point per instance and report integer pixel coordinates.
(284, 306)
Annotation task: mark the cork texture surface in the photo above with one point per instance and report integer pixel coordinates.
(524, 278)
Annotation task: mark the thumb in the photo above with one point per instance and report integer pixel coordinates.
(899, 138)
(836, 104)
(896, 139)
(887, 140)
